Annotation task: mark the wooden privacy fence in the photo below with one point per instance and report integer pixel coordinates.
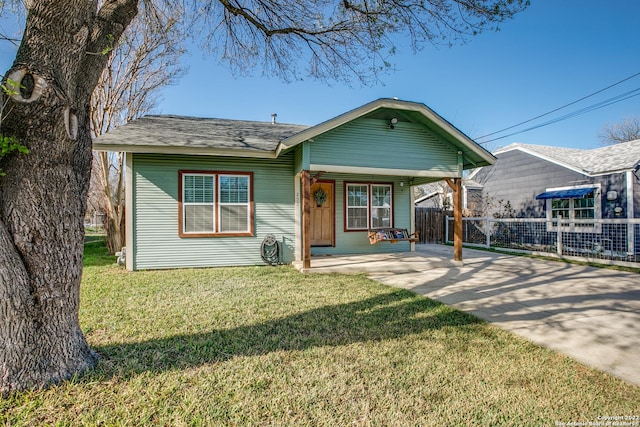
(430, 224)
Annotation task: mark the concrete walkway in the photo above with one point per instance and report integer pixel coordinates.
(589, 314)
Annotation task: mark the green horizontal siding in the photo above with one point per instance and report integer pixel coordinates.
(357, 242)
(156, 240)
(370, 143)
(298, 155)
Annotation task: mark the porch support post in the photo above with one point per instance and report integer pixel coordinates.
(457, 220)
(456, 186)
(306, 219)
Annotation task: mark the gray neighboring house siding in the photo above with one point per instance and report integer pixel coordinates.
(519, 177)
(524, 171)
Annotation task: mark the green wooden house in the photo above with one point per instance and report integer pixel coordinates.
(206, 192)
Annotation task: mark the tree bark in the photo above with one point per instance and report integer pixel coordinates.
(43, 195)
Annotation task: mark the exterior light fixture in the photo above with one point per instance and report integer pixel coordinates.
(636, 172)
(392, 122)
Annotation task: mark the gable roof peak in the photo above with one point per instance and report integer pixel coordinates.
(472, 151)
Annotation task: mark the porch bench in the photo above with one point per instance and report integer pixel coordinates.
(391, 235)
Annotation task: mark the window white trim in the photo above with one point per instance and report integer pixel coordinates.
(242, 225)
(571, 223)
(206, 226)
(369, 206)
(221, 216)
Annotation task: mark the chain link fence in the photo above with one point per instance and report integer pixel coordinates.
(615, 241)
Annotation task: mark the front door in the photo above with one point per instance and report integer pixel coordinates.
(322, 213)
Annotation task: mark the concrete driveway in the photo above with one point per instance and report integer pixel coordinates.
(589, 314)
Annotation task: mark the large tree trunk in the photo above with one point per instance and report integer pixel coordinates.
(43, 195)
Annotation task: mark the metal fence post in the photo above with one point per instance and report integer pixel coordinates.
(559, 235)
(446, 228)
(487, 232)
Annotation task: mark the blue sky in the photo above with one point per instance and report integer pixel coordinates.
(554, 53)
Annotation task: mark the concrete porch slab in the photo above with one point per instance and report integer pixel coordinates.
(402, 262)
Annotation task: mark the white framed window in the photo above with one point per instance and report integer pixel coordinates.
(573, 207)
(215, 203)
(368, 205)
(198, 203)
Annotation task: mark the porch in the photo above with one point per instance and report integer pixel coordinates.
(425, 257)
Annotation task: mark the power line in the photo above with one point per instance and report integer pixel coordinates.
(9, 39)
(593, 107)
(553, 111)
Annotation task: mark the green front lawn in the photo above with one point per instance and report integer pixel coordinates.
(269, 346)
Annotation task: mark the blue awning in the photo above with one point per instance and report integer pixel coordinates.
(572, 193)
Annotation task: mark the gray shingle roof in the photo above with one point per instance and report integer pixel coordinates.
(611, 158)
(168, 131)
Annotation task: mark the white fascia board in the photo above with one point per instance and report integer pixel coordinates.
(428, 196)
(543, 157)
(609, 172)
(382, 171)
(329, 124)
(281, 147)
(474, 172)
(197, 151)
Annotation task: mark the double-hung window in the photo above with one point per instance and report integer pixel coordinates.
(573, 207)
(215, 203)
(368, 206)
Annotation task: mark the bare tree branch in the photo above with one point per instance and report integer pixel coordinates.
(626, 130)
(339, 40)
(145, 60)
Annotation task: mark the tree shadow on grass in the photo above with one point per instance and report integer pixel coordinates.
(385, 317)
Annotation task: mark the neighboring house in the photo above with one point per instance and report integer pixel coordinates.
(548, 182)
(206, 192)
(439, 195)
(544, 181)
(436, 196)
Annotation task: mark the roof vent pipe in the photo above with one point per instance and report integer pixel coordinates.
(273, 118)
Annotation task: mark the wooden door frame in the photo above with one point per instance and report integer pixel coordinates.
(333, 194)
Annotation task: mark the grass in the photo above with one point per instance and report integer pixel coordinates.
(268, 346)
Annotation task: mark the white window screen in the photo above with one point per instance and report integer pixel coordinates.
(198, 204)
(357, 206)
(380, 206)
(234, 203)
